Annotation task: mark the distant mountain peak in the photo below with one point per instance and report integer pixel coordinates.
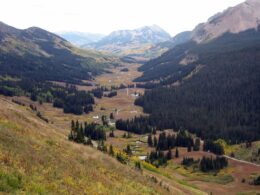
(131, 41)
(153, 27)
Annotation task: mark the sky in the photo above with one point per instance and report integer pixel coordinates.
(105, 16)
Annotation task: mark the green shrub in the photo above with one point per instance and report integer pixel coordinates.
(10, 182)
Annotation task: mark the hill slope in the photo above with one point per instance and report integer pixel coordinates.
(178, 39)
(38, 54)
(36, 158)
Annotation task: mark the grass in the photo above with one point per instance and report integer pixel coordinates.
(222, 177)
(36, 158)
(10, 182)
(248, 154)
(249, 193)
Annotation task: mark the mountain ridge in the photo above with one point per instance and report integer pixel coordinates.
(235, 19)
(131, 42)
(37, 53)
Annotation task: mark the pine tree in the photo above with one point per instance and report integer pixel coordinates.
(111, 134)
(169, 154)
(72, 125)
(111, 116)
(177, 153)
(105, 148)
(189, 148)
(128, 150)
(89, 142)
(196, 146)
(150, 140)
(155, 142)
(77, 126)
(73, 130)
(111, 150)
(104, 120)
(138, 165)
(80, 135)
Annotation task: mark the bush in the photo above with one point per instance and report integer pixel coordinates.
(256, 181)
(10, 182)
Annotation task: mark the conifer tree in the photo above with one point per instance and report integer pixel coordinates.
(128, 150)
(111, 150)
(169, 154)
(196, 146)
(155, 142)
(138, 165)
(89, 142)
(150, 140)
(176, 153)
(111, 116)
(189, 148)
(111, 134)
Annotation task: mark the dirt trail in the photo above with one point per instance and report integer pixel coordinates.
(242, 161)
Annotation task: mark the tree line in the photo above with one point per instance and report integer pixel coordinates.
(169, 141)
(68, 97)
(207, 164)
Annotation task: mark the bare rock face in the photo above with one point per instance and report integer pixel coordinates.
(235, 19)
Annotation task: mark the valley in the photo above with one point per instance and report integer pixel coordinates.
(130, 109)
(173, 178)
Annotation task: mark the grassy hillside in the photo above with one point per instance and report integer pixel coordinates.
(248, 153)
(36, 158)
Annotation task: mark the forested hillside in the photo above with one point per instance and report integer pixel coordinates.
(31, 59)
(218, 95)
(40, 55)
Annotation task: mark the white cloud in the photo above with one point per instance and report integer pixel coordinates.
(104, 16)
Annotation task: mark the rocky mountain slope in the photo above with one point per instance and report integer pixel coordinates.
(234, 20)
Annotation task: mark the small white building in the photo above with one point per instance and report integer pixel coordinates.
(142, 157)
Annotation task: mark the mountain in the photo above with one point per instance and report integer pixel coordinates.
(178, 39)
(211, 89)
(235, 19)
(40, 55)
(80, 38)
(209, 85)
(131, 42)
(162, 47)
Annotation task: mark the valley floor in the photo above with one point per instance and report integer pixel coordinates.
(36, 156)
